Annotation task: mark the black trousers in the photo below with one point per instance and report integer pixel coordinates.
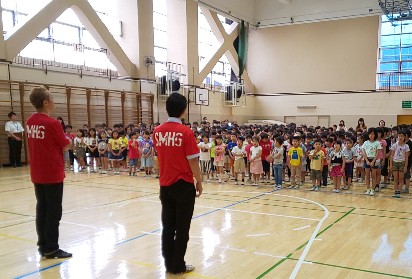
(178, 201)
(48, 215)
(14, 152)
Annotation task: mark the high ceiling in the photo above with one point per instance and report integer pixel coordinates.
(280, 12)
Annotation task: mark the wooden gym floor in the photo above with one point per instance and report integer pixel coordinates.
(112, 226)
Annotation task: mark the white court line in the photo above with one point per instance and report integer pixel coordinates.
(81, 225)
(312, 237)
(302, 228)
(272, 214)
(318, 239)
(259, 234)
(269, 255)
(244, 211)
(158, 234)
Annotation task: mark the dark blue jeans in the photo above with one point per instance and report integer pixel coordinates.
(48, 215)
(277, 173)
(178, 202)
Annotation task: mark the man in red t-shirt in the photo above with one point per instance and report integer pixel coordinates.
(46, 144)
(178, 157)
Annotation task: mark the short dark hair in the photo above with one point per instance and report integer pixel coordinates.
(318, 140)
(11, 113)
(38, 95)
(176, 105)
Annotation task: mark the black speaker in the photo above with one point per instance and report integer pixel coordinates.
(229, 93)
(174, 85)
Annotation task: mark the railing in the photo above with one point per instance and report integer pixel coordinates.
(81, 69)
(394, 81)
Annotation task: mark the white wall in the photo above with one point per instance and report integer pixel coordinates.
(349, 107)
(273, 12)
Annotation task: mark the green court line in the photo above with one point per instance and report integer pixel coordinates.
(314, 209)
(303, 245)
(355, 269)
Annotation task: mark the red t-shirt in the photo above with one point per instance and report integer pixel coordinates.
(133, 151)
(175, 144)
(46, 142)
(248, 150)
(325, 161)
(266, 147)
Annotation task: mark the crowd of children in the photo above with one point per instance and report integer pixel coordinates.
(271, 154)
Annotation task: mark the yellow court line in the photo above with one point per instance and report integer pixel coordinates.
(17, 238)
(194, 274)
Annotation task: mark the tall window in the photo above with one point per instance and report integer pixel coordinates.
(395, 46)
(160, 36)
(208, 45)
(66, 40)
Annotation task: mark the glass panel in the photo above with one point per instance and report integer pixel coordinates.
(160, 38)
(160, 54)
(387, 28)
(69, 17)
(38, 49)
(407, 27)
(65, 33)
(160, 6)
(406, 66)
(159, 21)
(8, 21)
(390, 54)
(407, 53)
(391, 40)
(67, 54)
(29, 6)
(95, 59)
(389, 67)
(88, 40)
(406, 39)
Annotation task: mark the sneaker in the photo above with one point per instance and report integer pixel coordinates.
(220, 180)
(317, 189)
(254, 184)
(236, 183)
(104, 172)
(313, 188)
(377, 188)
(242, 183)
(346, 187)
(334, 190)
(189, 268)
(291, 187)
(360, 180)
(355, 179)
(296, 187)
(59, 254)
(279, 187)
(371, 193)
(405, 191)
(337, 190)
(368, 191)
(130, 174)
(397, 195)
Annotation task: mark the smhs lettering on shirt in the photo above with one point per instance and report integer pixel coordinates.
(168, 139)
(35, 131)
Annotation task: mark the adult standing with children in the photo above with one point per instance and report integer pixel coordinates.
(178, 157)
(14, 132)
(46, 144)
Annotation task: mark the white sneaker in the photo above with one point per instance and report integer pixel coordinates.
(371, 193)
(368, 191)
(334, 190)
(355, 179)
(220, 180)
(313, 188)
(337, 191)
(317, 189)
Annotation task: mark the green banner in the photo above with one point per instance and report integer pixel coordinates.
(242, 52)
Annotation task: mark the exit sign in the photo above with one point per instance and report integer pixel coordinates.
(407, 104)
